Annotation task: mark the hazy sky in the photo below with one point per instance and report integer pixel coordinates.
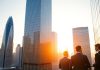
(66, 14)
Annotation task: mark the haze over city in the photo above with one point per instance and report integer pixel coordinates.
(35, 33)
(66, 14)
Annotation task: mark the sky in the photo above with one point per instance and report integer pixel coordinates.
(66, 14)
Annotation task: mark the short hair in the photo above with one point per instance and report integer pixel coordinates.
(65, 53)
(97, 45)
(78, 48)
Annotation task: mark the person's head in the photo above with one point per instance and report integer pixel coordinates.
(65, 53)
(78, 48)
(97, 47)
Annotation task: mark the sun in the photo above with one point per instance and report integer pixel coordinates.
(65, 42)
(61, 43)
(62, 24)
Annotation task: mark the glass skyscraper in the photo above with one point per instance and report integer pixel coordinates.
(38, 18)
(95, 7)
(7, 45)
(37, 33)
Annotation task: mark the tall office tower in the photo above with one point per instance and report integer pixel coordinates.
(81, 37)
(95, 7)
(37, 50)
(7, 45)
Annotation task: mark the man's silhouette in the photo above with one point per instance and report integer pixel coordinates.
(97, 57)
(64, 63)
(79, 61)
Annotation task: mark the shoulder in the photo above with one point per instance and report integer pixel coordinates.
(85, 56)
(99, 52)
(96, 54)
(64, 58)
(61, 59)
(73, 56)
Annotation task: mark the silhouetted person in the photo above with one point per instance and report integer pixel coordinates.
(79, 61)
(64, 63)
(97, 57)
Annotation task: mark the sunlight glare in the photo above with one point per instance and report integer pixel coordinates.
(61, 25)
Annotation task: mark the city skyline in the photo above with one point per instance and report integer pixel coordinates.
(77, 12)
(41, 30)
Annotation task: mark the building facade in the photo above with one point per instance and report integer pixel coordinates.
(95, 8)
(81, 37)
(37, 50)
(7, 45)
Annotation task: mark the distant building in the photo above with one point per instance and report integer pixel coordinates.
(7, 45)
(37, 45)
(81, 37)
(1, 59)
(95, 6)
(18, 56)
(54, 45)
(14, 60)
(55, 51)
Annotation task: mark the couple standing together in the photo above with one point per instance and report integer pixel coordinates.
(79, 61)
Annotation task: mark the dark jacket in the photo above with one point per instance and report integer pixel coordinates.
(79, 62)
(64, 64)
(97, 61)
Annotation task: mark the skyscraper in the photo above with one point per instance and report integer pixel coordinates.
(17, 57)
(37, 50)
(95, 7)
(81, 37)
(7, 45)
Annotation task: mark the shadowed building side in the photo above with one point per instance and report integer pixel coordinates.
(7, 45)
